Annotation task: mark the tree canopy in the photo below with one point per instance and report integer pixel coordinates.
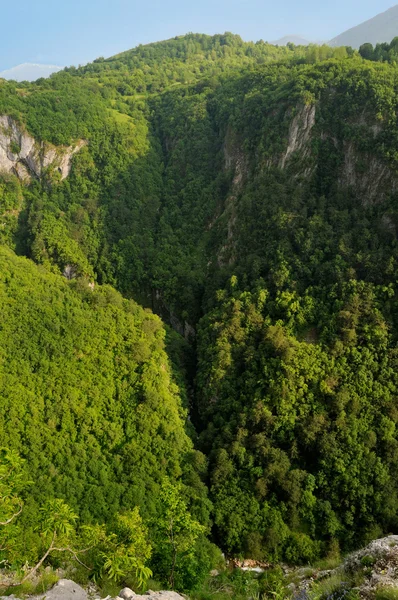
(247, 194)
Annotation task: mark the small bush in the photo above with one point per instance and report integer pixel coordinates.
(15, 147)
(273, 584)
(301, 549)
(368, 561)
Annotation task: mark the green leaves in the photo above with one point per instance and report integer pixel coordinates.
(126, 550)
(13, 481)
(57, 517)
(245, 191)
(175, 534)
(122, 552)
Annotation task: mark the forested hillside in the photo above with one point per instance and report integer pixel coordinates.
(248, 195)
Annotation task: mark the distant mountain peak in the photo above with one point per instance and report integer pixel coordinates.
(381, 28)
(291, 39)
(29, 71)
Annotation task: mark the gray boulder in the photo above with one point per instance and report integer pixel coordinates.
(64, 589)
(127, 594)
(378, 549)
(380, 557)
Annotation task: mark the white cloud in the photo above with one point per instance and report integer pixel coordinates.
(29, 72)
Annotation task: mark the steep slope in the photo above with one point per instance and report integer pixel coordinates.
(248, 194)
(86, 392)
(381, 28)
(21, 155)
(296, 383)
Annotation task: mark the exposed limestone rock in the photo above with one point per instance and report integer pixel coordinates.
(181, 327)
(300, 133)
(236, 161)
(234, 157)
(378, 549)
(374, 567)
(22, 155)
(127, 594)
(69, 272)
(368, 175)
(253, 566)
(380, 557)
(184, 328)
(64, 589)
(371, 182)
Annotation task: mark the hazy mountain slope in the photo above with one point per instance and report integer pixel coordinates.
(293, 39)
(381, 28)
(29, 72)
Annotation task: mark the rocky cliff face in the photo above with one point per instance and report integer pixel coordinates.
(299, 133)
(368, 175)
(363, 171)
(236, 162)
(25, 157)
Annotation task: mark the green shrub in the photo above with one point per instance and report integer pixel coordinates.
(273, 584)
(301, 549)
(368, 561)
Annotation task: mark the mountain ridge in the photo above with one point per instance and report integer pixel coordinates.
(380, 28)
(293, 39)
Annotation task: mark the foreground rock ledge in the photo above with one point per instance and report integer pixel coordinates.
(127, 594)
(65, 589)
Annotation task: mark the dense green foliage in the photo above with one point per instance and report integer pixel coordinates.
(246, 193)
(383, 52)
(86, 392)
(87, 398)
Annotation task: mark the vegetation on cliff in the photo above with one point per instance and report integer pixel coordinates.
(247, 194)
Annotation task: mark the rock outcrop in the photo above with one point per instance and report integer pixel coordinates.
(127, 594)
(371, 183)
(365, 172)
(25, 157)
(379, 562)
(65, 589)
(300, 133)
(366, 571)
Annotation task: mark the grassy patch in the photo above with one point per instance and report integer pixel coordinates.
(108, 587)
(387, 593)
(336, 587)
(31, 588)
(120, 117)
(328, 563)
(236, 585)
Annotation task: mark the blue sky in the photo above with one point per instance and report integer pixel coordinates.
(66, 32)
